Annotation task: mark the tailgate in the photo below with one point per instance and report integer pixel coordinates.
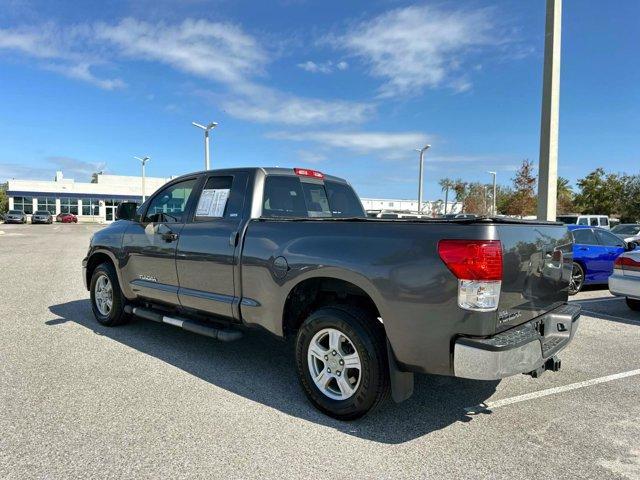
(537, 262)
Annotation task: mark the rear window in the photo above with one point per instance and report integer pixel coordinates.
(286, 196)
(584, 236)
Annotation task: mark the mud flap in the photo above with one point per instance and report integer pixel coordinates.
(401, 382)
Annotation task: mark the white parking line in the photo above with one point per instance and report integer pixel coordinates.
(595, 300)
(549, 391)
(592, 313)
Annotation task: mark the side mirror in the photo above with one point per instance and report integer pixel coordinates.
(126, 211)
(631, 245)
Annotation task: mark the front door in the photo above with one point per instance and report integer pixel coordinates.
(149, 245)
(206, 259)
(110, 213)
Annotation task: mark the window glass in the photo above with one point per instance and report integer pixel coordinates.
(609, 239)
(14, 212)
(170, 204)
(90, 206)
(283, 197)
(584, 236)
(568, 219)
(23, 203)
(214, 199)
(48, 204)
(343, 200)
(316, 199)
(604, 221)
(593, 222)
(583, 221)
(68, 205)
(626, 229)
(41, 212)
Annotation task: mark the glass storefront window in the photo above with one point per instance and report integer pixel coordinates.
(69, 205)
(23, 203)
(90, 206)
(48, 204)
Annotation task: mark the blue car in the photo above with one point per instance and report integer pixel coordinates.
(594, 251)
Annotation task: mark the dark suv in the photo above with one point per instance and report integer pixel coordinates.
(42, 216)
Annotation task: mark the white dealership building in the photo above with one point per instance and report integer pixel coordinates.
(94, 201)
(97, 201)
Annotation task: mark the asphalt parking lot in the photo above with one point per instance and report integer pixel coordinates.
(146, 400)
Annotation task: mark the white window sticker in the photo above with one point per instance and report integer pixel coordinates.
(212, 202)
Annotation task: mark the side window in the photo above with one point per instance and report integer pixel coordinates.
(584, 236)
(170, 204)
(283, 197)
(214, 199)
(604, 221)
(609, 239)
(583, 221)
(593, 222)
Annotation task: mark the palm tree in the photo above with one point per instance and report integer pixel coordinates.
(446, 184)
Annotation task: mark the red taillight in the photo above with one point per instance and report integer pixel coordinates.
(305, 172)
(472, 259)
(624, 263)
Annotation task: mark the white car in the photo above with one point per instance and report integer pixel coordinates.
(625, 281)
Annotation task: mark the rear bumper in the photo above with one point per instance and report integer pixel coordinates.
(522, 349)
(625, 285)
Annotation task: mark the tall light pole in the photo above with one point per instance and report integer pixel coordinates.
(143, 161)
(206, 129)
(493, 210)
(548, 167)
(420, 175)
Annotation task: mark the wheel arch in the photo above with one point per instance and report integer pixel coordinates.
(97, 258)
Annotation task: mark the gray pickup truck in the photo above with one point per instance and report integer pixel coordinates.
(370, 302)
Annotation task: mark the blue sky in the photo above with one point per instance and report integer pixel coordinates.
(349, 88)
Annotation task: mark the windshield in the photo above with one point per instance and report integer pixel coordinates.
(41, 212)
(626, 229)
(567, 219)
(15, 212)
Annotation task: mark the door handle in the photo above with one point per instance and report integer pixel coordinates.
(169, 237)
(583, 248)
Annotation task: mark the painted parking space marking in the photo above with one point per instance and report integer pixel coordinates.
(490, 406)
(606, 316)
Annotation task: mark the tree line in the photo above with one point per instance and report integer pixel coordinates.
(599, 192)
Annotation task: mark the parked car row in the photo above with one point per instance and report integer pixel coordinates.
(39, 216)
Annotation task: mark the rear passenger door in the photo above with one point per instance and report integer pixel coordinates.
(206, 259)
(613, 246)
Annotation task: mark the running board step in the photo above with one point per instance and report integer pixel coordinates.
(224, 335)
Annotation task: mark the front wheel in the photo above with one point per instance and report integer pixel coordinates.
(341, 361)
(107, 300)
(577, 279)
(633, 304)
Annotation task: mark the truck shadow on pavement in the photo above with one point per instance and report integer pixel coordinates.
(260, 368)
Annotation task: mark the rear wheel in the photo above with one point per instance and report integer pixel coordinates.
(341, 360)
(577, 279)
(633, 304)
(107, 300)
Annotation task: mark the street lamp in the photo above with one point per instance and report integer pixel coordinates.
(206, 129)
(144, 161)
(493, 210)
(420, 181)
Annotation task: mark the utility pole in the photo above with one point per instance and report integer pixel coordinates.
(493, 210)
(206, 129)
(144, 161)
(548, 166)
(420, 175)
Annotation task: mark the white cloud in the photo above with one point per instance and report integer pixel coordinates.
(419, 47)
(323, 67)
(218, 52)
(72, 167)
(306, 156)
(385, 143)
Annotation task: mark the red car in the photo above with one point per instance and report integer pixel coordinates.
(66, 218)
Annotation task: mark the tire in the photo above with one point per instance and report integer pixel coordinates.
(633, 304)
(577, 279)
(359, 333)
(115, 314)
